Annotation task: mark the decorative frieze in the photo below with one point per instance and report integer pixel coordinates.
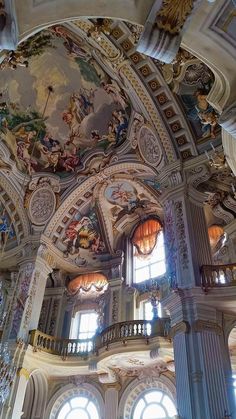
(181, 235)
(206, 326)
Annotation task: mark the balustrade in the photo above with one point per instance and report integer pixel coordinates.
(218, 275)
(119, 332)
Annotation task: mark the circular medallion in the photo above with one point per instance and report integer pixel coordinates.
(148, 146)
(42, 205)
(120, 193)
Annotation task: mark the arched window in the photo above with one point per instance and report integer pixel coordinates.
(154, 404)
(148, 251)
(78, 407)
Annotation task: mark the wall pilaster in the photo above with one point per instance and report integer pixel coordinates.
(201, 366)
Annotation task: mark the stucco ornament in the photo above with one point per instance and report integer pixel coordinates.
(41, 199)
(148, 146)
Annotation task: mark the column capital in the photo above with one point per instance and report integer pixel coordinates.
(112, 386)
(206, 326)
(182, 327)
(228, 120)
(162, 33)
(23, 372)
(8, 29)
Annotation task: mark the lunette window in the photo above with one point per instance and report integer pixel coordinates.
(79, 407)
(154, 404)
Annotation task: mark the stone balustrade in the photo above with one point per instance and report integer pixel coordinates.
(119, 332)
(218, 275)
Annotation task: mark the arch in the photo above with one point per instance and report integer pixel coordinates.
(35, 396)
(69, 391)
(44, 13)
(136, 387)
(88, 184)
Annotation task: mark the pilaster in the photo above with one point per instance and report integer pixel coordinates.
(111, 400)
(164, 28)
(186, 236)
(201, 365)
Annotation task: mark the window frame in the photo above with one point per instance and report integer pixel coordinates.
(84, 408)
(75, 324)
(151, 390)
(134, 269)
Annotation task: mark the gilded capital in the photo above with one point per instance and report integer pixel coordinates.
(23, 372)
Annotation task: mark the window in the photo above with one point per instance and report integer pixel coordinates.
(151, 266)
(147, 310)
(154, 404)
(78, 407)
(84, 327)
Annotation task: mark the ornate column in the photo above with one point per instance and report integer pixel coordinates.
(227, 121)
(115, 286)
(201, 384)
(8, 25)
(29, 294)
(19, 394)
(186, 237)
(111, 400)
(162, 32)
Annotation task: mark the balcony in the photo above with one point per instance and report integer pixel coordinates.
(218, 276)
(119, 332)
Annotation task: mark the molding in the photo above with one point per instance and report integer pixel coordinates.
(182, 327)
(23, 372)
(206, 326)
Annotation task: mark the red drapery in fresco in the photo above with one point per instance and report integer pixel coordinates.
(86, 281)
(145, 236)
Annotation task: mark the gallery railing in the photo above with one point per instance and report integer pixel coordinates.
(119, 332)
(218, 275)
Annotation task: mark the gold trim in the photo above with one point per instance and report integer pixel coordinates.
(23, 372)
(173, 14)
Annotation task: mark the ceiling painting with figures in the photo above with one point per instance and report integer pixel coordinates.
(59, 104)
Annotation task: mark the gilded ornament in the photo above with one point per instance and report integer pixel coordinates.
(173, 14)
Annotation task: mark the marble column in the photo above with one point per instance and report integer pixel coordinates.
(13, 408)
(8, 26)
(186, 237)
(31, 285)
(162, 34)
(200, 368)
(115, 301)
(111, 401)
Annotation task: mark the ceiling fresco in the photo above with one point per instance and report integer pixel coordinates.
(82, 242)
(73, 105)
(52, 130)
(192, 81)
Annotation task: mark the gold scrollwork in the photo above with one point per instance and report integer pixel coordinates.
(173, 14)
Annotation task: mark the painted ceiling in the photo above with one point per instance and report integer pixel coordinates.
(69, 116)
